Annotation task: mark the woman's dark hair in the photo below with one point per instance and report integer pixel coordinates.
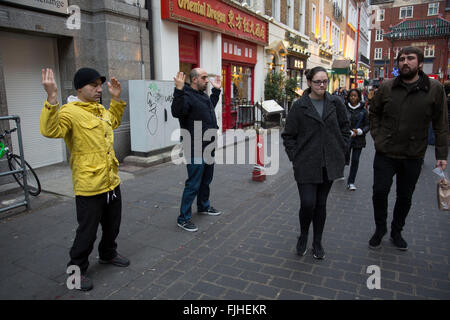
(311, 73)
(357, 91)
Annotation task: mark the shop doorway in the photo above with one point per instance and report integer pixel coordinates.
(237, 97)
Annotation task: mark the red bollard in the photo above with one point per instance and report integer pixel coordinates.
(258, 173)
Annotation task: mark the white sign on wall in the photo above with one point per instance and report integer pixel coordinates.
(59, 6)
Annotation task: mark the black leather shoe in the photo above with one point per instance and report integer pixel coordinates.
(318, 251)
(119, 261)
(375, 241)
(301, 245)
(398, 241)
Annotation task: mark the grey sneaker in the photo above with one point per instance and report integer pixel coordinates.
(211, 212)
(351, 187)
(188, 226)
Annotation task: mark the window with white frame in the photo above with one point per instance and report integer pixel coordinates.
(378, 53)
(379, 35)
(433, 9)
(380, 15)
(406, 12)
(327, 29)
(429, 51)
(313, 19)
(290, 13)
(276, 9)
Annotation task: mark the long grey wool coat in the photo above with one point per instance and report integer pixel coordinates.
(313, 142)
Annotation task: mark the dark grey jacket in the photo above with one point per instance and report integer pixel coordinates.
(312, 142)
(354, 116)
(400, 118)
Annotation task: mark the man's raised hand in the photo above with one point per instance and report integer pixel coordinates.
(217, 83)
(179, 80)
(49, 84)
(114, 88)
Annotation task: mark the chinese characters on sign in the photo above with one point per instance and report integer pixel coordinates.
(247, 25)
(218, 16)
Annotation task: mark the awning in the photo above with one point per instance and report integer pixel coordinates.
(271, 106)
(277, 47)
(341, 66)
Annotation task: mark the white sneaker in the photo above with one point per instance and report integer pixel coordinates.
(351, 187)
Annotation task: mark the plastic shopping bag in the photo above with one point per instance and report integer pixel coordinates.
(443, 190)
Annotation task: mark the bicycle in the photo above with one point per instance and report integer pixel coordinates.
(14, 163)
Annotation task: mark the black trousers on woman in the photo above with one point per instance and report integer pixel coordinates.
(313, 206)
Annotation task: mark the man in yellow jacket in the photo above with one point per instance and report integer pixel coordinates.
(87, 128)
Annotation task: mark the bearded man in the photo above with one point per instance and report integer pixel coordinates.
(400, 115)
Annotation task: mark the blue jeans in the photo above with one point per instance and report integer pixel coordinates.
(197, 185)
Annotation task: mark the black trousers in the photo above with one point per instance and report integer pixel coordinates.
(313, 206)
(104, 209)
(407, 172)
(356, 153)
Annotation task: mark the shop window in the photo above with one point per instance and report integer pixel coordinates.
(241, 85)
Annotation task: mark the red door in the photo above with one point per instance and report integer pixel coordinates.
(226, 97)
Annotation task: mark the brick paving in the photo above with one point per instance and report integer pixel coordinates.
(246, 253)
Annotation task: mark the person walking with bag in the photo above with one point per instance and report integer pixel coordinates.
(400, 113)
(315, 139)
(359, 122)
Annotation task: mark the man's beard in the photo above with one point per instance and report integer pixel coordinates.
(408, 74)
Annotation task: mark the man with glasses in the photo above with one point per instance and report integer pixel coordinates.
(192, 106)
(87, 128)
(400, 114)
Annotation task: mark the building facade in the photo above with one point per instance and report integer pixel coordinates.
(110, 36)
(223, 37)
(401, 23)
(330, 43)
(288, 49)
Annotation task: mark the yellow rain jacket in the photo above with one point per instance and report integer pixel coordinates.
(87, 129)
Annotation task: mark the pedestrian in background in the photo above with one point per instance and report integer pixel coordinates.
(359, 124)
(400, 114)
(87, 128)
(191, 104)
(315, 138)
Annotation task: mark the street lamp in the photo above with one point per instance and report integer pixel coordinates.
(359, 4)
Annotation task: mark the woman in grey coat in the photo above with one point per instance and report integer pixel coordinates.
(315, 137)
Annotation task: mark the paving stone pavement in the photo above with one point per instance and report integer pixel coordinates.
(248, 252)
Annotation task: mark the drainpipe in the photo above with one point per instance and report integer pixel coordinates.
(150, 36)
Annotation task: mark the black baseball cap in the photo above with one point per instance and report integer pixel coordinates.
(85, 76)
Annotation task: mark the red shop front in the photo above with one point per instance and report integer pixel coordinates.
(242, 33)
(238, 70)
